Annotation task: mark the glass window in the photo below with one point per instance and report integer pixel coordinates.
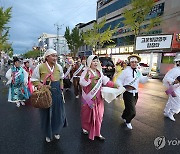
(113, 7)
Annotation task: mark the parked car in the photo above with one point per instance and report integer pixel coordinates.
(108, 67)
(144, 68)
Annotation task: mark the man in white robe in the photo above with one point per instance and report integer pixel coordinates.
(171, 80)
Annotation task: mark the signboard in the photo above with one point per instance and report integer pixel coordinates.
(156, 42)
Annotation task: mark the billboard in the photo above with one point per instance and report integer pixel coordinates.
(154, 42)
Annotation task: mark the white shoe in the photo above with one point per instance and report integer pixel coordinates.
(171, 117)
(48, 139)
(166, 114)
(77, 96)
(85, 131)
(123, 119)
(57, 137)
(129, 125)
(22, 103)
(18, 104)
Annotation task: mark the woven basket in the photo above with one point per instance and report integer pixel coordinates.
(41, 98)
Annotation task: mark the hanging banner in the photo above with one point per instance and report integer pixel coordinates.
(156, 42)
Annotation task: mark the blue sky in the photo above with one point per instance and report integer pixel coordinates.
(31, 18)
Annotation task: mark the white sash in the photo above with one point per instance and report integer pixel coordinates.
(88, 97)
(77, 71)
(67, 72)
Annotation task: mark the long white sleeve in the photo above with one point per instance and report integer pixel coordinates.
(170, 76)
(36, 75)
(8, 76)
(61, 71)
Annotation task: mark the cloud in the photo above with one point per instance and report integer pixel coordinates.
(31, 18)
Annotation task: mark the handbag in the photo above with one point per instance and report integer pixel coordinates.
(42, 98)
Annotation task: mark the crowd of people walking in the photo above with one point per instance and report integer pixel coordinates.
(87, 79)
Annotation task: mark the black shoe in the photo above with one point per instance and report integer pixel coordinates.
(101, 138)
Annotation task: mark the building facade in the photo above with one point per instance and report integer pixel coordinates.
(47, 41)
(168, 10)
(85, 50)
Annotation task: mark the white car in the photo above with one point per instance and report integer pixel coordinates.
(144, 68)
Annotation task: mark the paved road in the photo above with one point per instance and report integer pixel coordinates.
(20, 127)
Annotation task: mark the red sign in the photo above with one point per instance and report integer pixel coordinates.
(175, 42)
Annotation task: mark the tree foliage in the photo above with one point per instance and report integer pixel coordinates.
(5, 16)
(32, 54)
(74, 39)
(95, 38)
(137, 15)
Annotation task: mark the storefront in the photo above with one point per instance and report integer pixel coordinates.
(122, 53)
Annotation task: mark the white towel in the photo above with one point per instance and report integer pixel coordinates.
(109, 94)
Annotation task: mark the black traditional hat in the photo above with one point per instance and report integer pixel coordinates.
(15, 59)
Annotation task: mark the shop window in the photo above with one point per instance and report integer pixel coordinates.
(168, 59)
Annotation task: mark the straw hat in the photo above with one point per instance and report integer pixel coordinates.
(136, 56)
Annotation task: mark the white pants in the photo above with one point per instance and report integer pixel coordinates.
(173, 105)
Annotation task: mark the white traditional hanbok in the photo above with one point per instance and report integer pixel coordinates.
(173, 103)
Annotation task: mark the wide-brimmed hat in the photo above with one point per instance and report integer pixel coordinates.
(136, 56)
(177, 58)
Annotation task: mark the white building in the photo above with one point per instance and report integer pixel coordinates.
(47, 41)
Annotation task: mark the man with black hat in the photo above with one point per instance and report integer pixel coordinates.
(172, 82)
(17, 81)
(130, 78)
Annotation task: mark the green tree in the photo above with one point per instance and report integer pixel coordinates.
(95, 38)
(7, 48)
(136, 17)
(5, 16)
(74, 39)
(32, 54)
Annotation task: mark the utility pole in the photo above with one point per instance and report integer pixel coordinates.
(57, 42)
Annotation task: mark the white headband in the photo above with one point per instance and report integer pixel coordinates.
(133, 59)
(49, 52)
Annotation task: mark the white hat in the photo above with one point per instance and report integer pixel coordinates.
(89, 61)
(49, 52)
(177, 58)
(25, 60)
